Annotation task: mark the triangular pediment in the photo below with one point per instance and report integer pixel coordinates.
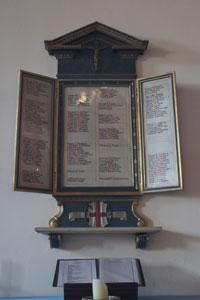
(95, 33)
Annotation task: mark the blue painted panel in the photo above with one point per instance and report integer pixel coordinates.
(82, 206)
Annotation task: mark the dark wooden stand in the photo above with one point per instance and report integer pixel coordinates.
(125, 291)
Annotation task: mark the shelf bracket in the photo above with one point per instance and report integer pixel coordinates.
(141, 240)
(55, 240)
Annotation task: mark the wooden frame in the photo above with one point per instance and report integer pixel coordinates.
(34, 138)
(106, 120)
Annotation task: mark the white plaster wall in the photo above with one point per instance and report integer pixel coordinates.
(172, 261)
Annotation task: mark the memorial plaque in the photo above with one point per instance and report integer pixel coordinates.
(96, 137)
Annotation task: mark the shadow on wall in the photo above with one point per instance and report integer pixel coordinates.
(162, 279)
(189, 115)
(171, 240)
(160, 241)
(11, 279)
(176, 53)
(165, 52)
(99, 242)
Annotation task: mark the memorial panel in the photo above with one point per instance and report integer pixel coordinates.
(160, 139)
(35, 133)
(95, 137)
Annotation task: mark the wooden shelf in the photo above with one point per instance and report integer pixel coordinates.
(96, 230)
(141, 233)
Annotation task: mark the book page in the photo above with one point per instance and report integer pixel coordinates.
(76, 271)
(119, 270)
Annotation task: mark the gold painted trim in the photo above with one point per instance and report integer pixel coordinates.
(132, 157)
(177, 131)
(139, 137)
(56, 193)
(155, 76)
(16, 143)
(142, 140)
(55, 146)
(36, 74)
(83, 198)
(53, 222)
(140, 221)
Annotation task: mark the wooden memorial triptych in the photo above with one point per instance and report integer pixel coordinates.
(98, 136)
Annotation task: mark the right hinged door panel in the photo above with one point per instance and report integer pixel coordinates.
(159, 134)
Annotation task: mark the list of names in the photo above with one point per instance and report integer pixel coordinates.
(97, 141)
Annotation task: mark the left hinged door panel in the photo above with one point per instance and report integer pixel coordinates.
(34, 138)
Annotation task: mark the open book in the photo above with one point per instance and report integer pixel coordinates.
(109, 270)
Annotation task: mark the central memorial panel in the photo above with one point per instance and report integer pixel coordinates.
(96, 137)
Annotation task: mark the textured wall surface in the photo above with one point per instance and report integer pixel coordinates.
(171, 263)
